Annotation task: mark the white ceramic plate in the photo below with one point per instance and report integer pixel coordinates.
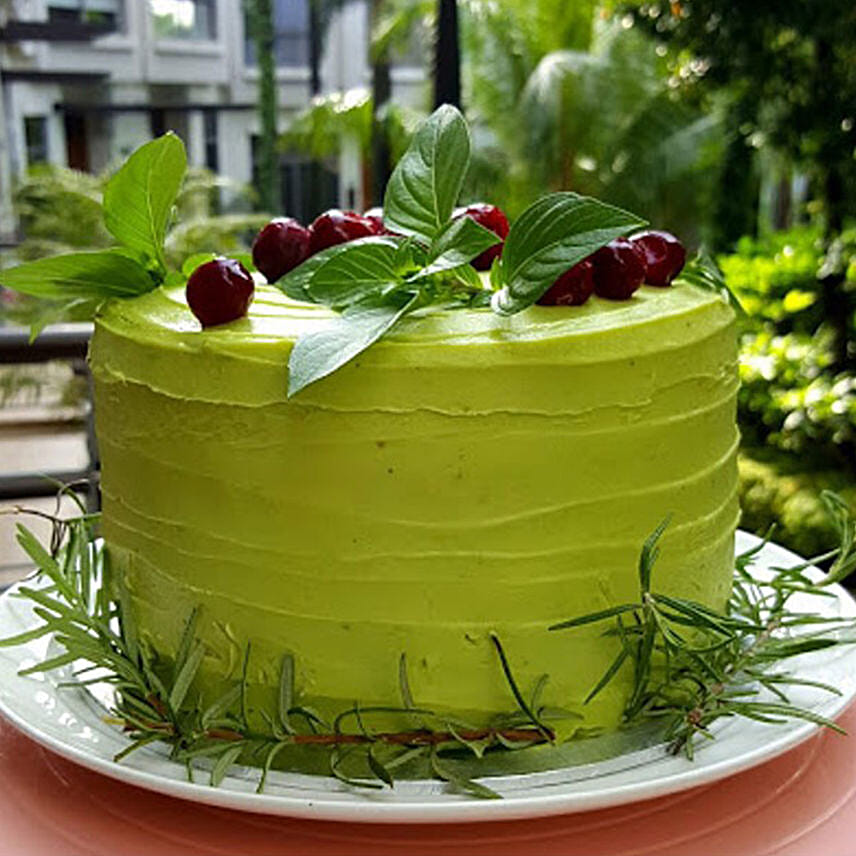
(69, 722)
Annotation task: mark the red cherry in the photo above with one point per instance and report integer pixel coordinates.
(280, 247)
(662, 254)
(491, 218)
(573, 288)
(618, 270)
(337, 227)
(219, 291)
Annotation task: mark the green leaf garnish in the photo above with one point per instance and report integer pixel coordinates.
(105, 273)
(425, 184)
(223, 762)
(548, 238)
(137, 206)
(138, 199)
(366, 269)
(378, 767)
(457, 245)
(295, 284)
(650, 553)
(460, 783)
(286, 692)
(319, 354)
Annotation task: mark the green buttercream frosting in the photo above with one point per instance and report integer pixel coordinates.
(469, 473)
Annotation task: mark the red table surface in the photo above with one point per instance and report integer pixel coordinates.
(801, 804)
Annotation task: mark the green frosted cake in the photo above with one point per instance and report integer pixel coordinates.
(469, 474)
(349, 500)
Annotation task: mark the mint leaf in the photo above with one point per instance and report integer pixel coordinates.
(360, 271)
(296, 282)
(425, 184)
(458, 244)
(138, 199)
(107, 273)
(319, 354)
(548, 238)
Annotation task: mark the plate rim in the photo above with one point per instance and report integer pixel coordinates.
(340, 805)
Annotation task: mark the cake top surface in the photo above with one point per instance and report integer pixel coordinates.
(536, 360)
(275, 321)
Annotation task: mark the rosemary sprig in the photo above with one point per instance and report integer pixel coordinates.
(155, 700)
(692, 665)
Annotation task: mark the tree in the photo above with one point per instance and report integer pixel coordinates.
(381, 157)
(566, 99)
(260, 19)
(788, 70)
(447, 55)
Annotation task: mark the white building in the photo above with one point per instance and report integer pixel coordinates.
(185, 65)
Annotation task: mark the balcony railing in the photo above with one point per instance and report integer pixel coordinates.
(79, 30)
(68, 343)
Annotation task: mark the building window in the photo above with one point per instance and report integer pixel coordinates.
(290, 35)
(36, 139)
(306, 187)
(104, 13)
(185, 19)
(209, 125)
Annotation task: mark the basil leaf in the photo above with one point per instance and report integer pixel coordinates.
(138, 199)
(296, 282)
(458, 244)
(410, 257)
(55, 311)
(467, 275)
(425, 184)
(319, 354)
(101, 274)
(548, 238)
(358, 272)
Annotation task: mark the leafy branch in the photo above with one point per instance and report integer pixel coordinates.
(692, 665)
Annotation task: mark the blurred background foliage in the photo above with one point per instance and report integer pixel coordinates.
(731, 124)
(797, 401)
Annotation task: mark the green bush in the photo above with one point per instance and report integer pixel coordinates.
(59, 211)
(789, 398)
(774, 489)
(796, 406)
(776, 278)
(792, 397)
